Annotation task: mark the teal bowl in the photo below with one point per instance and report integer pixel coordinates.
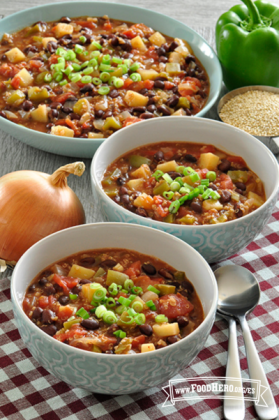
(79, 147)
(214, 242)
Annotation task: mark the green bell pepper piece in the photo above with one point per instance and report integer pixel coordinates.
(136, 161)
(247, 43)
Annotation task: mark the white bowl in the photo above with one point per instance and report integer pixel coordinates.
(214, 242)
(105, 373)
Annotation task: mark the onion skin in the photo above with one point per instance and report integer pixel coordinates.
(33, 205)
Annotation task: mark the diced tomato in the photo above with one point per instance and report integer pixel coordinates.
(73, 126)
(65, 312)
(194, 80)
(131, 120)
(63, 97)
(16, 82)
(137, 86)
(53, 59)
(75, 330)
(202, 173)
(28, 303)
(145, 281)
(66, 283)
(151, 53)
(169, 85)
(108, 26)
(128, 82)
(158, 199)
(8, 70)
(161, 211)
(187, 88)
(137, 341)
(134, 269)
(148, 84)
(130, 33)
(208, 149)
(86, 24)
(236, 159)
(62, 121)
(107, 342)
(150, 314)
(51, 300)
(43, 302)
(226, 182)
(35, 64)
(174, 305)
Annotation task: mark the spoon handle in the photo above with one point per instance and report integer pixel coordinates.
(265, 407)
(234, 408)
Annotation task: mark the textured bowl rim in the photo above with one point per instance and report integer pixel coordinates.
(44, 336)
(65, 140)
(116, 206)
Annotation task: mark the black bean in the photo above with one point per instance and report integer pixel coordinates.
(105, 36)
(240, 186)
(47, 316)
(51, 46)
(158, 156)
(213, 186)
(190, 158)
(123, 190)
(116, 199)
(238, 211)
(159, 84)
(140, 211)
(4, 57)
(2, 114)
(99, 113)
(86, 88)
(66, 110)
(146, 115)
(90, 324)
(127, 46)
(37, 313)
(30, 48)
(190, 58)
(74, 116)
(174, 174)
(172, 339)
(173, 45)
(120, 181)
(238, 191)
(123, 36)
(166, 274)
(161, 51)
(49, 125)
(76, 290)
(49, 289)
(224, 166)
(143, 91)
(174, 283)
(107, 114)
(58, 288)
(139, 109)
(125, 199)
(85, 281)
(196, 206)
(43, 281)
(27, 105)
(108, 263)
(182, 321)
(162, 78)
(173, 101)
(50, 330)
(149, 269)
(163, 59)
(53, 113)
(65, 19)
(151, 108)
(191, 72)
(32, 288)
(130, 207)
(87, 261)
(163, 110)
(55, 105)
(63, 300)
(112, 329)
(202, 93)
(114, 41)
(187, 285)
(225, 196)
(146, 329)
(114, 93)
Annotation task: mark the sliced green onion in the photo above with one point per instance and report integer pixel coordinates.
(123, 67)
(96, 81)
(168, 194)
(100, 294)
(205, 182)
(105, 76)
(93, 62)
(129, 321)
(179, 180)
(140, 319)
(194, 193)
(52, 67)
(82, 39)
(118, 83)
(136, 77)
(215, 195)
(106, 67)
(132, 297)
(153, 289)
(194, 177)
(174, 207)
(70, 55)
(188, 171)
(161, 318)
(127, 61)
(136, 290)
(180, 169)
(202, 188)
(207, 193)
(82, 313)
(109, 317)
(97, 45)
(78, 49)
(151, 305)
(93, 310)
(48, 78)
(85, 53)
(135, 66)
(158, 174)
(100, 311)
(111, 80)
(75, 77)
(85, 64)
(106, 59)
(125, 291)
(60, 51)
(131, 312)
(95, 54)
(63, 82)
(61, 60)
(104, 90)
(184, 190)
(137, 306)
(175, 186)
(124, 301)
(59, 77)
(128, 284)
(183, 199)
(211, 175)
(120, 334)
(112, 289)
(76, 67)
(167, 178)
(86, 79)
(95, 286)
(88, 70)
(117, 60)
(68, 70)
(120, 309)
(72, 296)
(110, 302)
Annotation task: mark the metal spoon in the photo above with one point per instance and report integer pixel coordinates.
(239, 293)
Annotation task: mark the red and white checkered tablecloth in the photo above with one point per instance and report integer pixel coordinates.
(28, 391)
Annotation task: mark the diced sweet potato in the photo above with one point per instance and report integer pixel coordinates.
(183, 50)
(147, 347)
(173, 68)
(176, 57)
(257, 200)
(142, 172)
(165, 330)
(167, 166)
(81, 272)
(157, 39)
(135, 99)
(208, 161)
(212, 204)
(60, 130)
(26, 78)
(92, 135)
(138, 43)
(180, 112)
(145, 201)
(40, 114)
(15, 55)
(148, 74)
(46, 40)
(62, 29)
(88, 291)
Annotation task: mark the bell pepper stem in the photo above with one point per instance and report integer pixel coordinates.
(253, 12)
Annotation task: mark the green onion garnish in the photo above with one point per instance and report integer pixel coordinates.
(211, 175)
(106, 59)
(188, 171)
(153, 289)
(136, 290)
(167, 178)
(106, 67)
(88, 70)
(82, 39)
(75, 77)
(82, 313)
(110, 302)
(104, 90)
(125, 291)
(97, 45)
(194, 177)
(112, 289)
(72, 296)
(120, 309)
(68, 70)
(124, 301)
(63, 83)
(60, 51)
(175, 186)
(117, 60)
(131, 312)
(86, 79)
(61, 60)
(205, 182)
(157, 174)
(136, 77)
(109, 317)
(78, 49)
(132, 297)
(100, 311)
(118, 83)
(180, 169)
(120, 334)
(96, 81)
(140, 318)
(161, 318)
(70, 55)
(194, 193)
(59, 77)
(207, 193)
(95, 54)
(135, 66)
(174, 207)
(93, 62)
(202, 188)
(85, 64)
(128, 284)
(48, 78)
(127, 61)
(137, 306)
(95, 285)
(123, 67)
(215, 195)
(129, 321)
(151, 305)
(105, 76)
(76, 67)
(111, 80)
(183, 199)
(184, 190)
(99, 295)
(168, 194)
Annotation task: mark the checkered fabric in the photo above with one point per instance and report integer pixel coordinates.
(28, 391)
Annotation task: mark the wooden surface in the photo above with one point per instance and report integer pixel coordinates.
(201, 15)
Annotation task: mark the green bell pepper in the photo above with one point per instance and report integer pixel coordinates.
(247, 43)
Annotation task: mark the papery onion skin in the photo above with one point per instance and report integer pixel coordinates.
(32, 207)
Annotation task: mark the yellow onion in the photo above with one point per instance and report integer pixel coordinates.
(34, 205)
